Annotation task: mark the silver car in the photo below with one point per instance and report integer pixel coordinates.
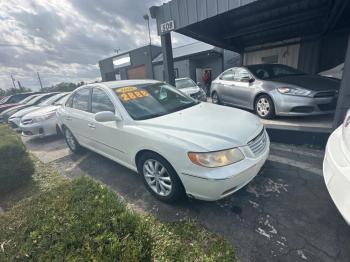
(274, 89)
(190, 88)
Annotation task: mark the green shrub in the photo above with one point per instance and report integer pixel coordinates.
(16, 167)
(82, 220)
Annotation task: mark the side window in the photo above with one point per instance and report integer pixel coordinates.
(101, 102)
(228, 75)
(241, 74)
(81, 100)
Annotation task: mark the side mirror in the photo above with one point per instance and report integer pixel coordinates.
(247, 79)
(199, 83)
(107, 116)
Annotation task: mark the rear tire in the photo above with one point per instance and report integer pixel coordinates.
(71, 141)
(160, 178)
(264, 107)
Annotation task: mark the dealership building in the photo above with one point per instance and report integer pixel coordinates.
(311, 35)
(190, 60)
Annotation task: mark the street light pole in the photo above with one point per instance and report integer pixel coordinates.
(146, 17)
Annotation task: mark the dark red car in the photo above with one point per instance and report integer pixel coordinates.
(14, 100)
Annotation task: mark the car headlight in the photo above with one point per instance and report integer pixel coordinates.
(44, 117)
(216, 159)
(294, 91)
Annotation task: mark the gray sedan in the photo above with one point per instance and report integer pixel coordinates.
(274, 89)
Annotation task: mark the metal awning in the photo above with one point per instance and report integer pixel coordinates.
(237, 24)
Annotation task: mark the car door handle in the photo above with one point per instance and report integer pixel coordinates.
(92, 126)
(68, 118)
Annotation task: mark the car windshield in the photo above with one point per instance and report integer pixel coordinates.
(269, 71)
(61, 101)
(39, 99)
(152, 100)
(29, 98)
(51, 100)
(183, 83)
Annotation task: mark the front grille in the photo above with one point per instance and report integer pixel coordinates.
(325, 94)
(327, 107)
(195, 95)
(258, 144)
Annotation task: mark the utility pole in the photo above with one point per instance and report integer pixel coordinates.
(14, 84)
(19, 85)
(41, 85)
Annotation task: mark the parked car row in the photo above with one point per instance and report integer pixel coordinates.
(177, 143)
(35, 115)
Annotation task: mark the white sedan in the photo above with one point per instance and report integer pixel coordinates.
(336, 168)
(179, 145)
(43, 121)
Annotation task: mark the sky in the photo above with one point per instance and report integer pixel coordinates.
(63, 40)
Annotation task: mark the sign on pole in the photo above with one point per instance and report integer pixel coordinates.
(167, 27)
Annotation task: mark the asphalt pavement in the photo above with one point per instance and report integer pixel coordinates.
(284, 214)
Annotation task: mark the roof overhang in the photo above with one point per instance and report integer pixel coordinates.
(237, 24)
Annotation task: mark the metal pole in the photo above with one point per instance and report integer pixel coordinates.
(14, 84)
(146, 17)
(168, 60)
(41, 85)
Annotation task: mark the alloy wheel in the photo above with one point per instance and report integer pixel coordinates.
(215, 98)
(70, 139)
(157, 177)
(263, 107)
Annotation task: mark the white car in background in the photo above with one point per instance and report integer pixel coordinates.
(178, 144)
(336, 168)
(190, 88)
(43, 121)
(15, 119)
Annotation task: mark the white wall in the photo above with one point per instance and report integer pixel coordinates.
(287, 55)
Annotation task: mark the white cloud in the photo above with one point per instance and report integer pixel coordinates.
(64, 40)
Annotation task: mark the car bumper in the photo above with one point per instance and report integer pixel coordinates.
(15, 122)
(336, 171)
(40, 129)
(211, 184)
(287, 105)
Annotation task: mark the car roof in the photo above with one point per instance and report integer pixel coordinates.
(123, 83)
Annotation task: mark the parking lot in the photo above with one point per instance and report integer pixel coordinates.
(285, 213)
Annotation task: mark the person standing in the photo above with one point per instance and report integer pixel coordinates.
(207, 81)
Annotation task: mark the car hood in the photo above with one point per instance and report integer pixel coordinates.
(25, 111)
(310, 82)
(190, 90)
(207, 127)
(41, 111)
(13, 110)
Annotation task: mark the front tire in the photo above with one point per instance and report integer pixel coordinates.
(71, 141)
(215, 98)
(264, 107)
(160, 178)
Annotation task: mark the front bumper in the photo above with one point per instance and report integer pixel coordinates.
(336, 171)
(211, 184)
(39, 129)
(288, 105)
(15, 122)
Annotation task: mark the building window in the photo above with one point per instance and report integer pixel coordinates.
(121, 61)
